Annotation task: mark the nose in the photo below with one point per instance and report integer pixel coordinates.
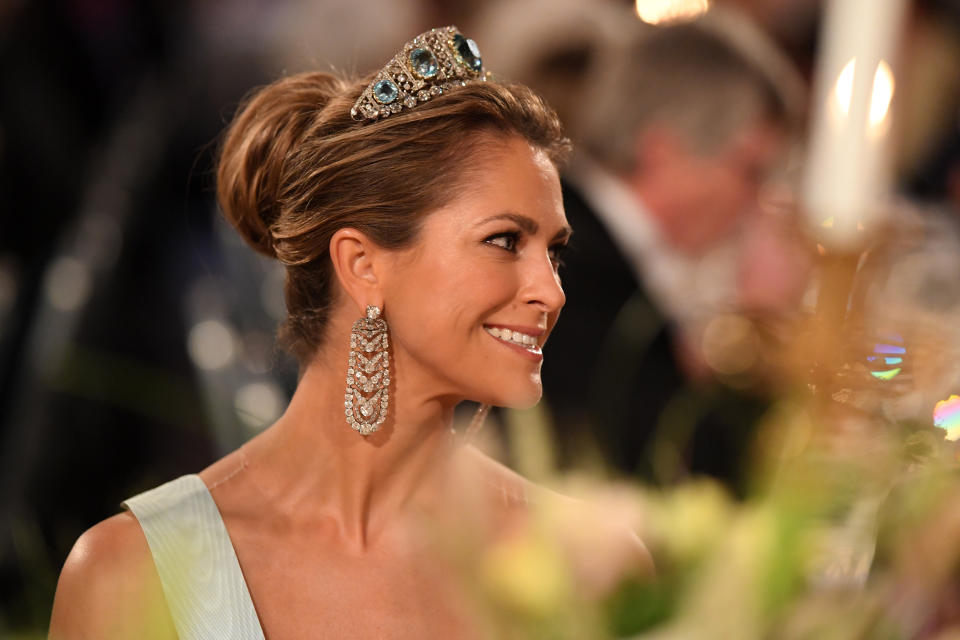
(543, 288)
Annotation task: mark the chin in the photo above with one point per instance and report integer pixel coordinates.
(521, 396)
(525, 403)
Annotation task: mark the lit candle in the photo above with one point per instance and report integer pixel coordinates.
(847, 172)
(663, 11)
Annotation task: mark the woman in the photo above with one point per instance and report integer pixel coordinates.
(419, 216)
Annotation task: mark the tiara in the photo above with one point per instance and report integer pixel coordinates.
(432, 63)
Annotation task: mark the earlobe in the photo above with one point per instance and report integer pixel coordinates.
(353, 255)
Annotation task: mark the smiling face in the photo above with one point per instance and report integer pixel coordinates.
(472, 302)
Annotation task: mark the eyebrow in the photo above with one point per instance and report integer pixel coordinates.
(528, 225)
(563, 233)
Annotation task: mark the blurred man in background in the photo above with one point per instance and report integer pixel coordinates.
(677, 129)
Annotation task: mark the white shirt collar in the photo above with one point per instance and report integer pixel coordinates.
(681, 286)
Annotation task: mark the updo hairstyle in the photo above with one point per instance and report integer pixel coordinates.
(294, 168)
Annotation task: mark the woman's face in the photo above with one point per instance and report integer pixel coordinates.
(470, 305)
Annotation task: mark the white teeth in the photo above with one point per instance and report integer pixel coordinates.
(515, 337)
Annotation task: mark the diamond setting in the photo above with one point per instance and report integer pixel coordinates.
(428, 66)
(368, 374)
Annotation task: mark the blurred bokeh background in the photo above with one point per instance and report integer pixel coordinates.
(137, 333)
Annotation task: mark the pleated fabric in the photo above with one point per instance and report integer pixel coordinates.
(202, 581)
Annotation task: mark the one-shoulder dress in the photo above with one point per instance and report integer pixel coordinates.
(204, 587)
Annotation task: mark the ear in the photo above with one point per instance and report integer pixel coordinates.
(353, 255)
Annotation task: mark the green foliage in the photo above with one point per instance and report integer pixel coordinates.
(639, 605)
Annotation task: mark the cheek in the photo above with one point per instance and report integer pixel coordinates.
(708, 186)
(437, 302)
(728, 198)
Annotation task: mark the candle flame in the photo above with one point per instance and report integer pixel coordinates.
(661, 11)
(843, 90)
(880, 98)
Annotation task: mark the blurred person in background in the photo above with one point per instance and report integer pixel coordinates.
(678, 128)
(420, 198)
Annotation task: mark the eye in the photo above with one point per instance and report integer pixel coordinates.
(506, 240)
(556, 254)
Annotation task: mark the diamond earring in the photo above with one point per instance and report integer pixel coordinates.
(368, 373)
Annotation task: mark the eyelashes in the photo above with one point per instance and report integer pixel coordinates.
(556, 254)
(508, 241)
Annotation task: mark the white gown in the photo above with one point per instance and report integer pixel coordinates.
(202, 581)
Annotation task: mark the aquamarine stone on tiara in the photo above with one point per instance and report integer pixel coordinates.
(468, 51)
(431, 64)
(385, 91)
(423, 63)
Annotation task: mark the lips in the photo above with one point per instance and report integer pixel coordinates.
(528, 341)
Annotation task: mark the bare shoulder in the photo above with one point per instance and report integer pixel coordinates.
(513, 486)
(109, 588)
(601, 524)
(600, 542)
(602, 545)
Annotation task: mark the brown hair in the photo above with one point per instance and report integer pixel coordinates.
(295, 167)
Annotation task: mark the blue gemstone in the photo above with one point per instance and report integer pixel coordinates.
(469, 52)
(424, 63)
(385, 92)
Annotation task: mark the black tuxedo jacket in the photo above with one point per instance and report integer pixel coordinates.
(611, 373)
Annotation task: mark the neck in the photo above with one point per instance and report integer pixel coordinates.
(312, 462)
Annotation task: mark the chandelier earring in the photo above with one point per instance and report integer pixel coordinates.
(368, 373)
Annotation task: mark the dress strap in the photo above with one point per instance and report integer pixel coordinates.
(202, 581)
